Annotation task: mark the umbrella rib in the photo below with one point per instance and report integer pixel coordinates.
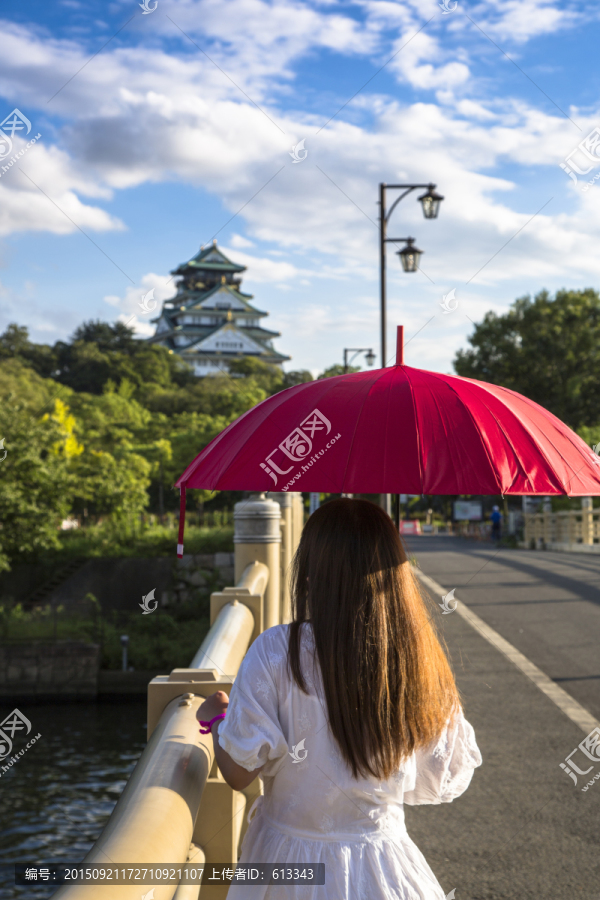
(486, 387)
(556, 449)
(477, 431)
(374, 382)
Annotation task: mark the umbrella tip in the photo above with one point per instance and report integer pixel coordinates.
(400, 345)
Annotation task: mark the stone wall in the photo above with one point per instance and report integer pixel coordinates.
(120, 584)
(49, 670)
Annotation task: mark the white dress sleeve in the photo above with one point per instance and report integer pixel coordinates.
(250, 732)
(445, 767)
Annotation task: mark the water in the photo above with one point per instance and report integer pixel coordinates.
(56, 799)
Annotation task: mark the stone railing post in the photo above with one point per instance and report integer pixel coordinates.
(587, 520)
(257, 538)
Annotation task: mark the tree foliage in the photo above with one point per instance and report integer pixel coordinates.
(547, 349)
(103, 424)
(35, 483)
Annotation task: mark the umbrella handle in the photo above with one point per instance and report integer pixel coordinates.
(181, 522)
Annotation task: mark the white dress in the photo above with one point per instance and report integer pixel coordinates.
(314, 810)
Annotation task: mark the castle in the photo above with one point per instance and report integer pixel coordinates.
(210, 321)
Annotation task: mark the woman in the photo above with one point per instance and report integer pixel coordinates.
(346, 714)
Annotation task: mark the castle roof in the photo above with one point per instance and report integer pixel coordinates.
(210, 320)
(211, 259)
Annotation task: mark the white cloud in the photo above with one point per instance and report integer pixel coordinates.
(261, 269)
(323, 204)
(148, 113)
(39, 193)
(236, 240)
(132, 312)
(412, 48)
(520, 20)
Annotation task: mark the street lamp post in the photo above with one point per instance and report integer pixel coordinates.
(369, 356)
(409, 255)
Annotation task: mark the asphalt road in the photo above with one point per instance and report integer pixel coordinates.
(523, 829)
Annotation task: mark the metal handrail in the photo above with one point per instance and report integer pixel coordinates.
(153, 821)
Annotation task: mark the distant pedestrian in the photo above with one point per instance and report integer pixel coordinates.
(496, 518)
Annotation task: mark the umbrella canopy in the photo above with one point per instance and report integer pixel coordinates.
(397, 430)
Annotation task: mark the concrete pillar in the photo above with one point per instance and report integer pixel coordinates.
(257, 538)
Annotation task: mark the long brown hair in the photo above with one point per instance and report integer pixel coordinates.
(388, 685)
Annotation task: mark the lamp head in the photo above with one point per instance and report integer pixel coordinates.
(410, 256)
(430, 202)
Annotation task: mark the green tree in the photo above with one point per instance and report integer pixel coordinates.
(35, 483)
(300, 376)
(106, 336)
(547, 349)
(337, 369)
(15, 344)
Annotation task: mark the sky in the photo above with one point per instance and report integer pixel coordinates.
(143, 133)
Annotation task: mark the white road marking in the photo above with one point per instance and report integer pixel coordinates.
(571, 708)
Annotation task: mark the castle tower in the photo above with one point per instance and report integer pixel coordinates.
(210, 321)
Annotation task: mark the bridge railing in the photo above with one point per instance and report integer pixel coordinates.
(176, 806)
(567, 528)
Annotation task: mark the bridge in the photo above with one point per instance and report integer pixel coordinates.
(176, 806)
(524, 648)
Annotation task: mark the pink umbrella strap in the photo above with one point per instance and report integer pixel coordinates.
(181, 522)
(209, 725)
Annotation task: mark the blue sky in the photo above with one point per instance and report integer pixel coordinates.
(178, 128)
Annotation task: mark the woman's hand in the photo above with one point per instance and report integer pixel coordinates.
(213, 706)
(236, 776)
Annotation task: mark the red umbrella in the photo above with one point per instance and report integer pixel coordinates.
(397, 430)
